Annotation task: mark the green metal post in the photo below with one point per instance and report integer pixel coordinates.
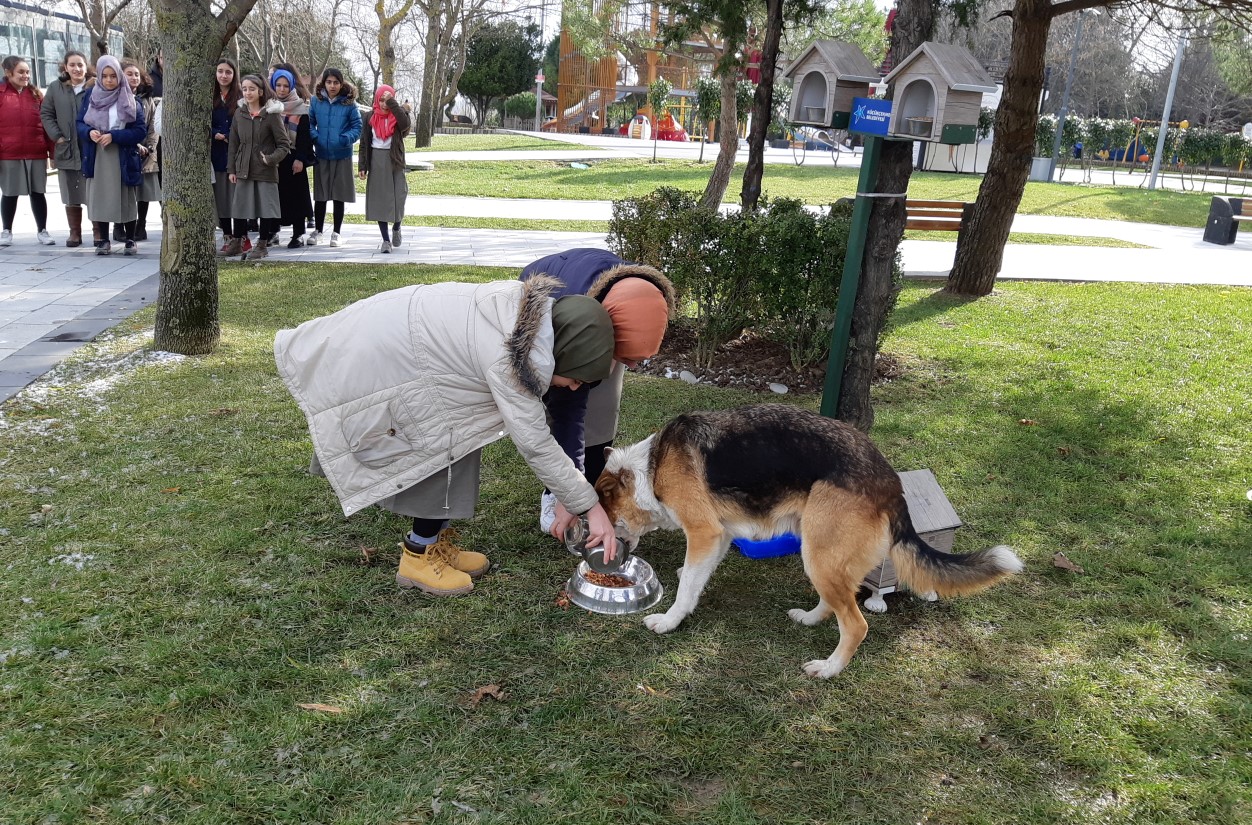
(851, 277)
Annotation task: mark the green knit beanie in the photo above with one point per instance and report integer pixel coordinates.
(584, 338)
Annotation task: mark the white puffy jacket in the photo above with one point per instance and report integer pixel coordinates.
(399, 386)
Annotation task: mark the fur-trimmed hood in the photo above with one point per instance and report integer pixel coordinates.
(530, 315)
(600, 288)
(346, 96)
(273, 106)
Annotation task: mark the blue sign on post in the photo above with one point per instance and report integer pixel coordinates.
(870, 116)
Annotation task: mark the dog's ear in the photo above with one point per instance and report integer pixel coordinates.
(608, 451)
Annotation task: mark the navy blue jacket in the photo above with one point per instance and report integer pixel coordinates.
(335, 126)
(220, 149)
(127, 140)
(577, 269)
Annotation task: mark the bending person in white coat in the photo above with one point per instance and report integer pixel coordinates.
(402, 391)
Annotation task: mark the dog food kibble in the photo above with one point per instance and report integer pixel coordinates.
(608, 579)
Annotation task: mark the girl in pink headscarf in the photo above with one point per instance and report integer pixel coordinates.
(382, 165)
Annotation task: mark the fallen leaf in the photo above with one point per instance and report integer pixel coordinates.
(1063, 450)
(1028, 422)
(367, 555)
(562, 600)
(171, 489)
(651, 691)
(45, 508)
(318, 706)
(222, 412)
(1062, 561)
(484, 692)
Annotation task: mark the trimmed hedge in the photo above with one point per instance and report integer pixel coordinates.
(775, 271)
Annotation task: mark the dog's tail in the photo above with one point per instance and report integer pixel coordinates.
(925, 569)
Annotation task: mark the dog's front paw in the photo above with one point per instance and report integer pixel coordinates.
(804, 617)
(822, 668)
(661, 622)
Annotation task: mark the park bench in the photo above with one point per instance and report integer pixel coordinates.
(941, 216)
(1225, 215)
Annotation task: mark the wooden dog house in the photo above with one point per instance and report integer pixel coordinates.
(825, 78)
(938, 94)
(933, 519)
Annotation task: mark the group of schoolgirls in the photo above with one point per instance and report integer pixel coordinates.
(100, 130)
(266, 136)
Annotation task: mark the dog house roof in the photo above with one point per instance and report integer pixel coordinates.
(847, 59)
(957, 66)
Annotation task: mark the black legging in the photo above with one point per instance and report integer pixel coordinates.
(427, 527)
(269, 228)
(102, 227)
(319, 215)
(382, 227)
(38, 205)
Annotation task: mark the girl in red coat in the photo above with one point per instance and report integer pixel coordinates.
(24, 149)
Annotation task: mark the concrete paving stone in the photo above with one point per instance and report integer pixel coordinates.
(19, 367)
(54, 314)
(57, 350)
(19, 335)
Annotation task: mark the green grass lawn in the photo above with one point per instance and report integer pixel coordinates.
(481, 143)
(220, 587)
(620, 178)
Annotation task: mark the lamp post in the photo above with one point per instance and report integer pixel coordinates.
(543, 7)
(1069, 81)
(1169, 104)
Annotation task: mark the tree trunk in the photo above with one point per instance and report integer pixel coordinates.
(187, 320)
(728, 145)
(762, 106)
(981, 251)
(914, 25)
(424, 128)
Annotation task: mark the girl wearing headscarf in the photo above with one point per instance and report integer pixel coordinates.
(258, 144)
(60, 113)
(382, 165)
(24, 149)
(150, 191)
(336, 125)
(111, 126)
(293, 175)
(402, 390)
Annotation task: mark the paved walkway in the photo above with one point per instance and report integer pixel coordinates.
(53, 299)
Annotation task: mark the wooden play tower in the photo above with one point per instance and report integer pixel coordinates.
(632, 59)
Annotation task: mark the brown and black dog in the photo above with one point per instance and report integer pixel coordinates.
(758, 471)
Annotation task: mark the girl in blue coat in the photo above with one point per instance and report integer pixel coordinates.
(335, 125)
(110, 128)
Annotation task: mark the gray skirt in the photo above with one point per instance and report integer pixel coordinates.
(223, 190)
(333, 181)
(385, 189)
(151, 189)
(255, 199)
(107, 199)
(73, 187)
(603, 406)
(22, 177)
(428, 497)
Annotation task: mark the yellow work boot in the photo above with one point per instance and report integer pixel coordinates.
(432, 572)
(467, 561)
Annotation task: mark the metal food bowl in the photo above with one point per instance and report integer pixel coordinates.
(617, 601)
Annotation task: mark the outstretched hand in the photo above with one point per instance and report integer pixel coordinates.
(600, 529)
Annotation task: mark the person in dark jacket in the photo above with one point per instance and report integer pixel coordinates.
(59, 112)
(225, 103)
(24, 150)
(110, 128)
(258, 144)
(382, 165)
(335, 125)
(150, 192)
(293, 175)
(640, 301)
(156, 72)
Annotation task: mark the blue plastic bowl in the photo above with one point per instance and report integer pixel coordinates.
(784, 545)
